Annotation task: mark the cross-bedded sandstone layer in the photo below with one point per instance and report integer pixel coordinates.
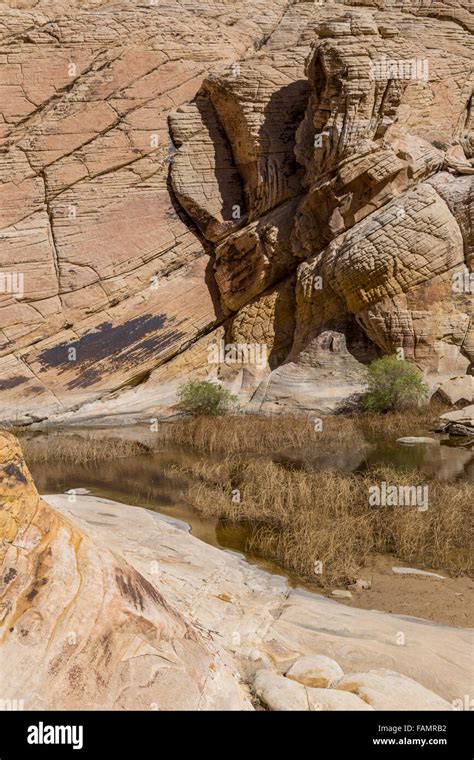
(294, 174)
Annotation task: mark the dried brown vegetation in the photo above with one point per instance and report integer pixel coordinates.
(71, 449)
(300, 518)
(251, 433)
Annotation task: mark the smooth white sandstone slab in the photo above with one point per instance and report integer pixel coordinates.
(240, 605)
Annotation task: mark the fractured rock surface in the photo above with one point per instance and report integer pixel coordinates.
(295, 173)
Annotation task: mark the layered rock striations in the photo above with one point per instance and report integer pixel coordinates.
(80, 628)
(294, 174)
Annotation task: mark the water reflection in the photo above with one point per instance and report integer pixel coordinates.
(152, 480)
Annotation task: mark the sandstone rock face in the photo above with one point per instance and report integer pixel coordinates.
(460, 422)
(83, 629)
(298, 175)
(279, 693)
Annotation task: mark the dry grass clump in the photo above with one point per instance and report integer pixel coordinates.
(251, 433)
(300, 518)
(74, 449)
(240, 433)
(400, 423)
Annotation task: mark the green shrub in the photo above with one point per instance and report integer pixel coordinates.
(393, 384)
(201, 397)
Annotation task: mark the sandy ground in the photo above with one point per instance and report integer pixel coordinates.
(449, 601)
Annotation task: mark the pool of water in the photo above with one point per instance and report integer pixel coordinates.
(152, 480)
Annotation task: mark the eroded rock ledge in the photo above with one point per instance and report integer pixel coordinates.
(105, 606)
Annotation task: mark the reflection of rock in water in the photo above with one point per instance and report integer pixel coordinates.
(453, 462)
(343, 457)
(440, 462)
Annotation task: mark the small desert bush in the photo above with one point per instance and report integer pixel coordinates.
(201, 397)
(300, 518)
(393, 383)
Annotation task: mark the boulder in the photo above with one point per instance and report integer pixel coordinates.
(457, 390)
(335, 699)
(361, 584)
(316, 670)
(280, 693)
(387, 690)
(341, 594)
(459, 422)
(413, 440)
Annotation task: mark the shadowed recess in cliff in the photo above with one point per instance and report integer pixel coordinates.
(123, 345)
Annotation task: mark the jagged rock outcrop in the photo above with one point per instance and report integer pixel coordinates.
(83, 629)
(383, 220)
(168, 172)
(460, 422)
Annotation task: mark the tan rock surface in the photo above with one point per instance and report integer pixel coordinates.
(245, 608)
(164, 167)
(386, 690)
(318, 671)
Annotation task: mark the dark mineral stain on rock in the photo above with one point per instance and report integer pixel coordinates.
(75, 676)
(12, 382)
(13, 471)
(9, 575)
(137, 589)
(120, 346)
(128, 586)
(33, 390)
